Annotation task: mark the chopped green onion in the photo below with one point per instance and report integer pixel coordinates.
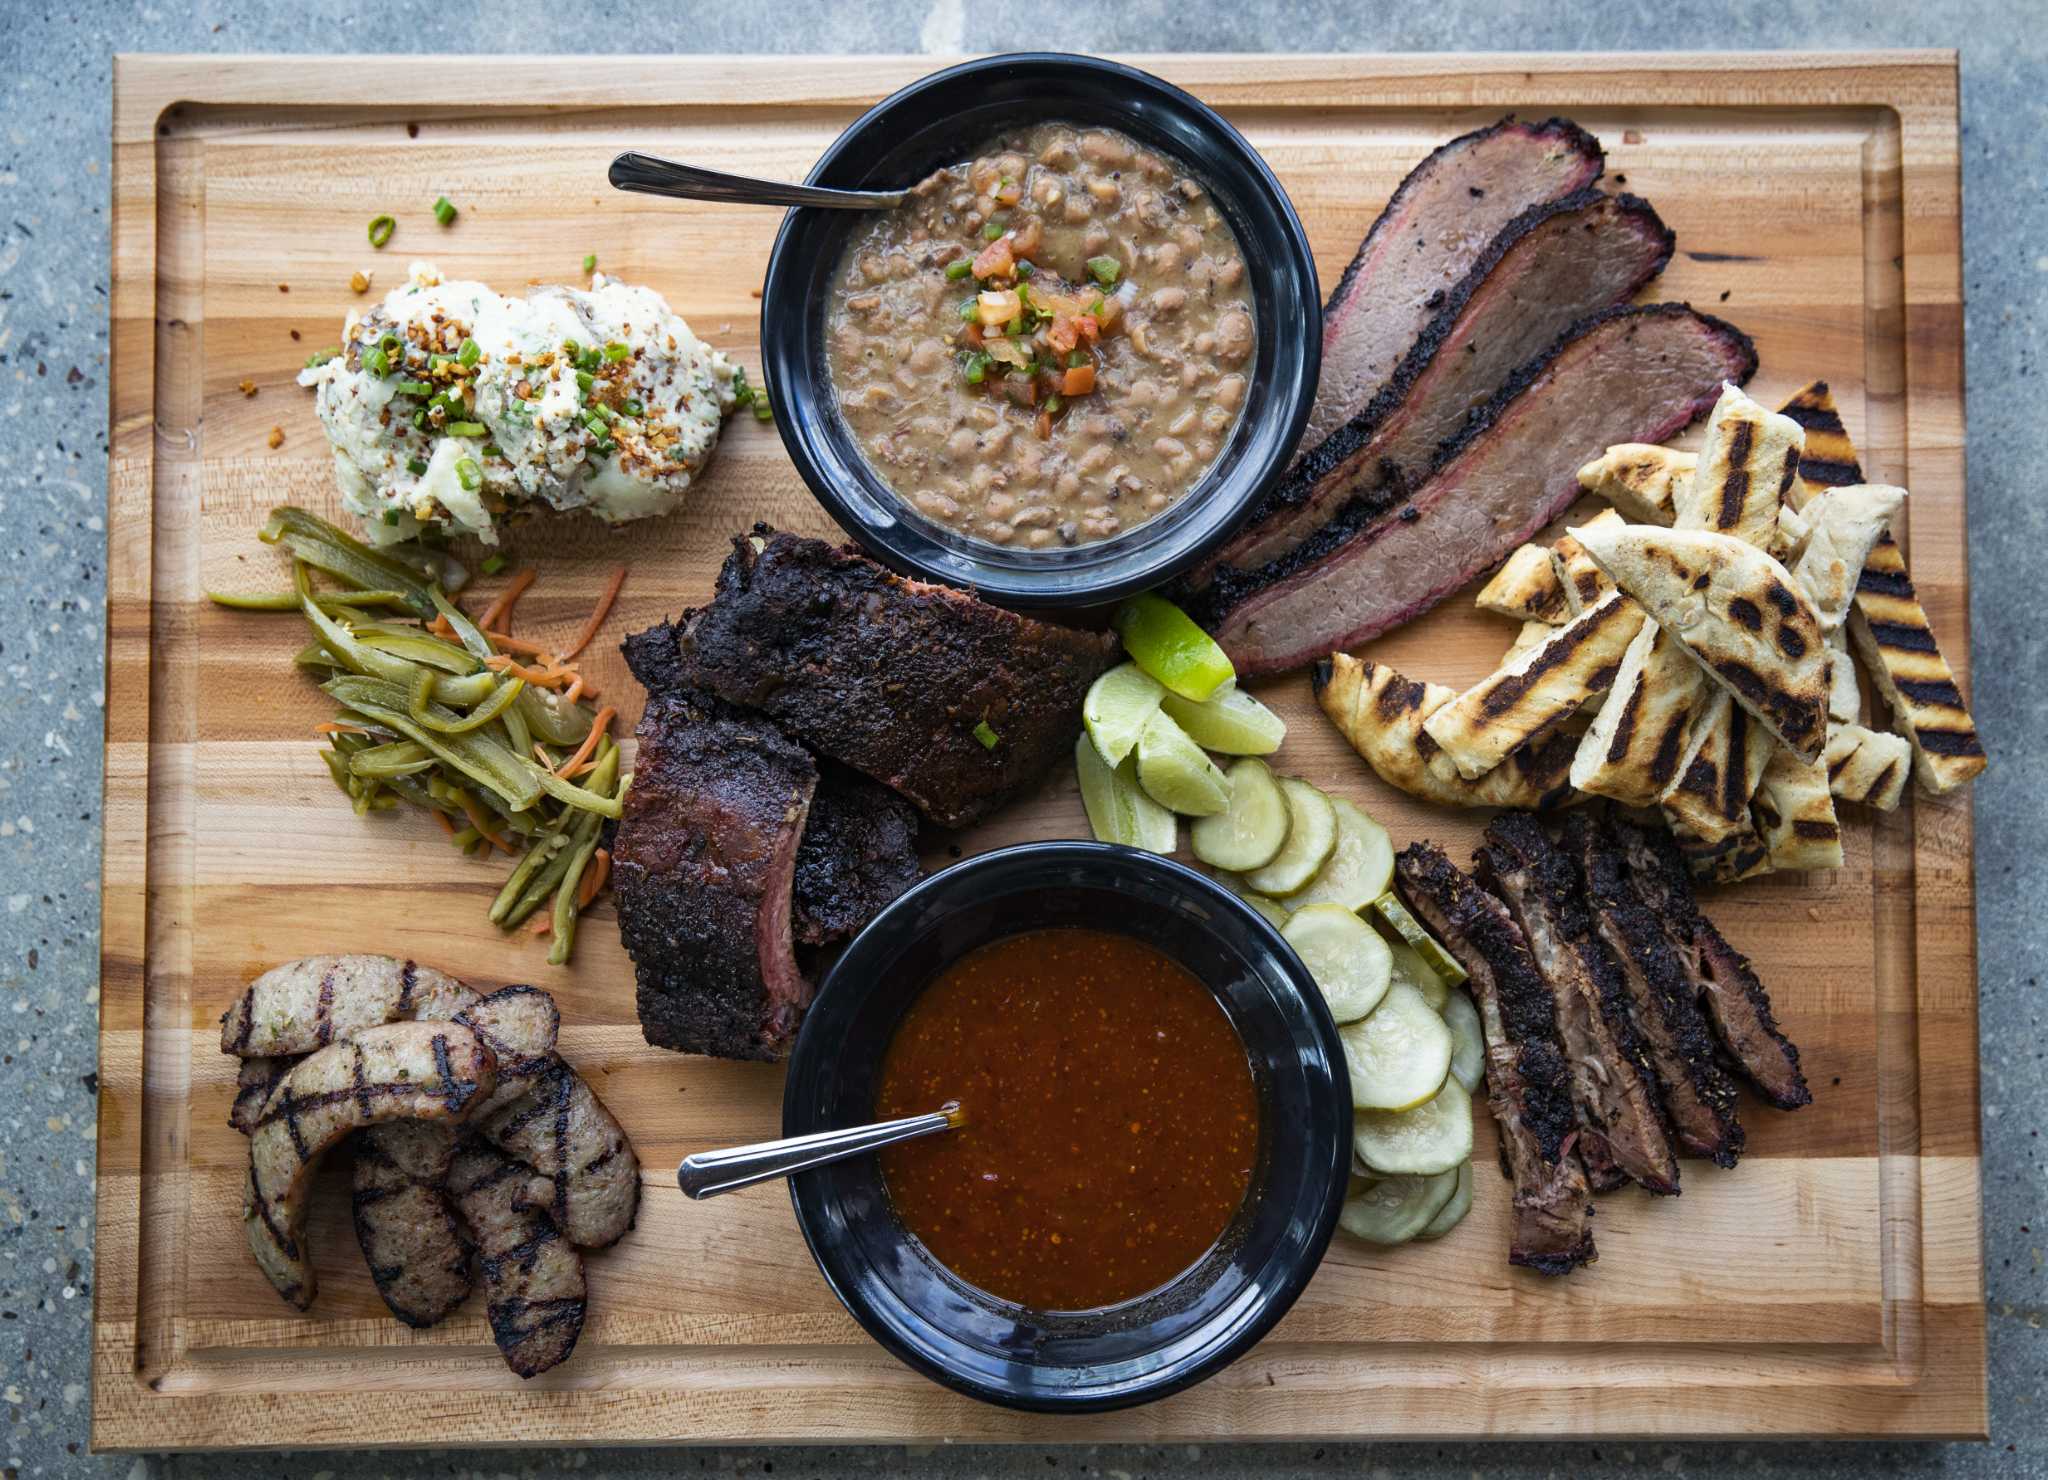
(444, 211)
(376, 361)
(1053, 404)
(594, 421)
(419, 419)
(320, 357)
(1077, 359)
(603, 446)
(616, 351)
(590, 359)
(415, 388)
(1095, 308)
(571, 349)
(415, 466)
(464, 429)
(969, 308)
(468, 474)
(958, 270)
(493, 564)
(391, 516)
(993, 230)
(989, 738)
(634, 406)
(1105, 270)
(590, 262)
(742, 393)
(763, 409)
(391, 344)
(1025, 269)
(381, 228)
(977, 367)
(469, 353)
(1016, 330)
(585, 380)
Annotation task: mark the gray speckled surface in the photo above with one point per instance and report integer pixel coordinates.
(55, 64)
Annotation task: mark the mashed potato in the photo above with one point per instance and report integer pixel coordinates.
(453, 406)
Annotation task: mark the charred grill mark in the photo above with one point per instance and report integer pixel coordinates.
(1900, 637)
(1931, 693)
(1790, 641)
(1735, 485)
(1823, 832)
(245, 1025)
(1896, 584)
(1745, 611)
(359, 1077)
(408, 976)
(1670, 746)
(1827, 473)
(1560, 650)
(1949, 742)
(1733, 782)
(1625, 727)
(1789, 472)
(323, 1012)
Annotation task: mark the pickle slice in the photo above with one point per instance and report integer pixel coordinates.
(1168, 645)
(1266, 905)
(1360, 865)
(1346, 957)
(1118, 707)
(1411, 968)
(1176, 774)
(1435, 1136)
(1230, 721)
(1398, 1057)
(1453, 1212)
(1311, 838)
(1394, 1210)
(1388, 907)
(1468, 1041)
(1118, 809)
(1250, 829)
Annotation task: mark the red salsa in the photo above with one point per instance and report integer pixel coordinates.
(1111, 1120)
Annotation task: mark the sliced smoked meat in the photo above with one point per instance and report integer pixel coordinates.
(859, 851)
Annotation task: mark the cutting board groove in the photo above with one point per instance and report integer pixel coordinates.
(1832, 1285)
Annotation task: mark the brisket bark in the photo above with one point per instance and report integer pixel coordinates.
(1628, 375)
(859, 851)
(1440, 219)
(1612, 1085)
(902, 680)
(1528, 1087)
(1736, 1003)
(702, 871)
(1698, 1096)
(1549, 268)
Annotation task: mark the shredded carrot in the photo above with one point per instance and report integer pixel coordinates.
(593, 878)
(543, 923)
(598, 727)
(520, 645)
(604, 609)
(539, 678)
(447, 826)
(499, 612)
(336, 727)
(540, 754)
(575, 690)
(440, 628)
(482, 822)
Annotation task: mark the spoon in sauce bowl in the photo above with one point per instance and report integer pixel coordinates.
(651, 176)
(708, 1173)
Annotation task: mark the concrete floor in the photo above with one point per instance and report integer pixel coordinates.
(55, 66)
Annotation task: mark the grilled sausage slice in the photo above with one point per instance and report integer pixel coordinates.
(533, 1276)
(418, 1251)
(588, 1179)
(398, 1071)
(307, 1004)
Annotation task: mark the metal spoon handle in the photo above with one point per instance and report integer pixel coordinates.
(651, 176)
(708, 1173)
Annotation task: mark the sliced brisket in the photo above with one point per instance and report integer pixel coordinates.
(1439, 220)
(702, 869)
(859, 851)
(1736, 1002)
(1549, 268)
(1612, 1085)
(890, 676)
(1528, 1086)
(1698, 1096)
(1629, 375)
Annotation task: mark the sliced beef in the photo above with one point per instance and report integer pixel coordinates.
(702, 868)
(1436, 225)
(1736, 1003)
(902, 680)
(1699, 1098)
(1629, 375)
(859, 851)
(1552, 266)
(1612, 1085)
(1528, 1086)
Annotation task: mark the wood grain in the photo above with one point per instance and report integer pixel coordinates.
(1833, 1284)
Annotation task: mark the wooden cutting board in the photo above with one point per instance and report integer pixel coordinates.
(1831, 1285)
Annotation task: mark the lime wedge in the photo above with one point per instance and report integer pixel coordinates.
(1230, 720)
(1168, 645)
(1119, 706)
(1176, 774)
(1118, 809)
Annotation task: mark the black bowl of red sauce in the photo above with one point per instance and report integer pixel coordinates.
(1157, 1137)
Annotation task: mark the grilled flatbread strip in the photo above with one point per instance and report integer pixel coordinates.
(1643, 731)
(1844, 525)
(1697, 1095)
(1736, 1002)
(1528, 1087)
(588, 1177)
(1868, 767)
(1382, 714)
(1582, 580)
(1525, 697)
(398, 1071)
(1795, 814)
(533, 1276)
(1845, 694)
(1749, 462)
(1613, 1087)
(307, 1004)
(419, 1253)
(1740, 613)
(1888, 626)
(1526, 586)
(1641, 479)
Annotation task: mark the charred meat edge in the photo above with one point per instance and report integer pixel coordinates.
(1698, 1096)
(1737, 1004)
(1528, 1087)
(1612, 1084)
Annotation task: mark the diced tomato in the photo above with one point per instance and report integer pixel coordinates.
(996, 260)
(1043, 425)
(1078, 381)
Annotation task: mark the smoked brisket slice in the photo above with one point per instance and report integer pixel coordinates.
(1528, 1087)
(1629, 375)
(1549, 268)
(1440, 219)
(1612, 1085)
(890, 676)
(702, 868)
(1699, 1097)
(859, 851)
(1736, 1003)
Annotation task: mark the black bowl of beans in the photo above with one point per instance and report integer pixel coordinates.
(1080, 350)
